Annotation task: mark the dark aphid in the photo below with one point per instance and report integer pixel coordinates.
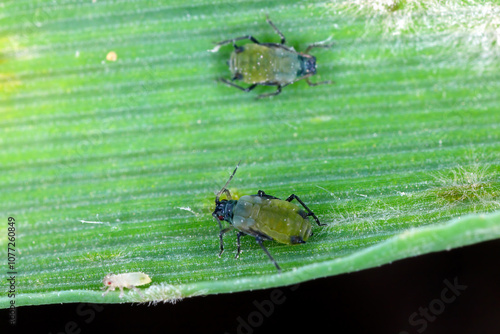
(270, 64)
(264, 217)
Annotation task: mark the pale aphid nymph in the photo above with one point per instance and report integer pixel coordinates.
(127, 280)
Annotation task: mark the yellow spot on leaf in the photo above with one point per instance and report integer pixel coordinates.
(111, 56)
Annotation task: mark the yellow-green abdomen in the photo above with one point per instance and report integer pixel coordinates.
(265, 64)
(281, 220)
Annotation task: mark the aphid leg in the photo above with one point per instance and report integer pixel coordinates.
(107, 291)
(237, 76)
(283, 40)
(222, 232)
(327, 82)
(318, 45)
(218, 220)
(309, 212)
(262, 194)
(238, 238)
(121, 291)
(229, 83)
(259, 241)
(297, 240)
(278, 90)
(137, 290)
(234, 40)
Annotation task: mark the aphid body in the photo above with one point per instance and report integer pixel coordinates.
(127, 280)
(280, 220)
(264, 217)
(270, 64)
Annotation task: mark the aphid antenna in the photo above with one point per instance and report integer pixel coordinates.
(224, 188)
(283, 39)
(322, 44)
(108, 272)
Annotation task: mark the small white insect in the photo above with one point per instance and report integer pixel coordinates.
(128, 280)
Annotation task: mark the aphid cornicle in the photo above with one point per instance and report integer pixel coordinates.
(270, 64)
(264, 217)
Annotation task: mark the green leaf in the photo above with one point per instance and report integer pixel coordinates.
(111, 165)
